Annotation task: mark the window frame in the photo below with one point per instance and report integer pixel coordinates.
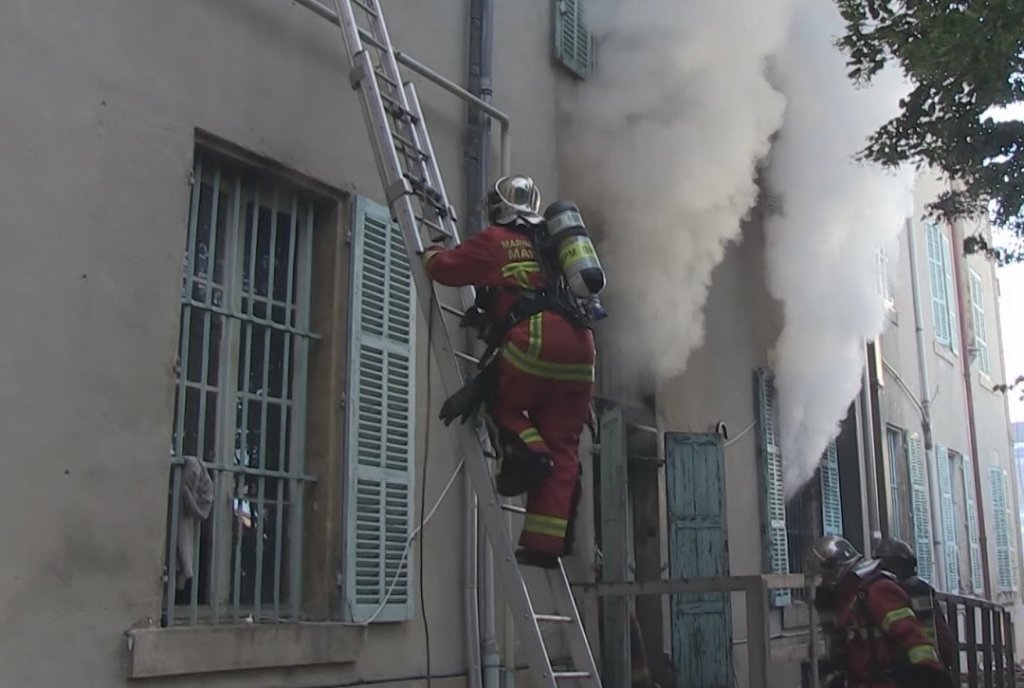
(980, 326)
(239, 309)
(940, 278)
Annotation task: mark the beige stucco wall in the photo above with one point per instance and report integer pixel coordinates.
(946, 369)
(101, 101)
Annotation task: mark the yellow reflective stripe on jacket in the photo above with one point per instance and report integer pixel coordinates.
(566, 372)
(520, 271)
(922, 653)
(530, 436)
(545, 525)
(536, 334)
(896, 615)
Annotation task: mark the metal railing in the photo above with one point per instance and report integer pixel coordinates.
(755, 589)
(983, 633)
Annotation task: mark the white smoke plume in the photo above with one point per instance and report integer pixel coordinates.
(665, 139)
(821, 249)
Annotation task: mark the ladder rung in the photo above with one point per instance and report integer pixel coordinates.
(366, 8)
(553, 618)
(571, 675)
(396, 109)
(408, 145)
(513, 508)
(466, 357)
(372, 40)
(384, 77)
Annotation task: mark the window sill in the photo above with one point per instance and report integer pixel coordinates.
(892, 314)
(985, 381)
(946, 353)
(156, 652)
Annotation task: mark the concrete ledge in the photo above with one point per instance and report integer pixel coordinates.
(154, 652)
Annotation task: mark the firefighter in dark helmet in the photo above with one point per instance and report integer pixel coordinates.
(897, 557)
(886, 644)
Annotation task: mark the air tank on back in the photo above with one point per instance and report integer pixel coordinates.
(575, 252)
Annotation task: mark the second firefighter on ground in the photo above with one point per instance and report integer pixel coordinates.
(876, 638)
(532, 274)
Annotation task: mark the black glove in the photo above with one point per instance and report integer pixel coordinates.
(920, 676)
(472, 395)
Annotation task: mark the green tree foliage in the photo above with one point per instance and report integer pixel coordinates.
(963, 58)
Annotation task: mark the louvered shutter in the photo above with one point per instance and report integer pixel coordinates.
(978, 321)
(947, 265)
(775, 500)
(1006, 551)
(380, 420)
(951, 550)
(937, 284)
(977, 585)
(920, 513)
(573, 43)
(831, 497)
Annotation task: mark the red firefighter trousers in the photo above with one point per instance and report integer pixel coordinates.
(548, 415)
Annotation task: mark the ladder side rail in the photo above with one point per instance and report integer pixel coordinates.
(579, 646)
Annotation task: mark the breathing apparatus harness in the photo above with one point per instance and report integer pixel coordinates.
(555, 296)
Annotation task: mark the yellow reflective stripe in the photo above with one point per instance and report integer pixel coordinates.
(536, 334)
(520, 266)
(922, 653)
(896, 615)
(530, 435)
(545, 525)
(520, 271)
(566, 372)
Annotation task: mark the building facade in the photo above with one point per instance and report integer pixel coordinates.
(219, 408)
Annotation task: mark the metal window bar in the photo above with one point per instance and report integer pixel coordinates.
(246, 282)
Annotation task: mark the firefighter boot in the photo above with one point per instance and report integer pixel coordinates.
(522, 472)
(521, 468)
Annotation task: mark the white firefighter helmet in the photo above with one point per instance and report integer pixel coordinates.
(513, 196)
(831, 557)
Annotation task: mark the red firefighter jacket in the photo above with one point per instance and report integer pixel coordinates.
(882, 631)
(545, 344)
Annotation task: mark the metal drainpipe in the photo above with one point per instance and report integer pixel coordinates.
(961, 296)
(471, 610)
(926, 413)
(477, 153)
(868, 438)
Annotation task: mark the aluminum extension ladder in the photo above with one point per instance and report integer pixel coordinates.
(417, 199)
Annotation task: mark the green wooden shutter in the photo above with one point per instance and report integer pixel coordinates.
(380, 421)
(1006, 550)
(777, 554)
(977, 585)
(947, 264)
(951, 550)
(831, 496)
(574, 46)
(937, 284)
(919, 507)
(697, 546)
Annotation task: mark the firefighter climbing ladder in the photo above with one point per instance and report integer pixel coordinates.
(416, 196)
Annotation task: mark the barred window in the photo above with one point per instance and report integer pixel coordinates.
(238, 437)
